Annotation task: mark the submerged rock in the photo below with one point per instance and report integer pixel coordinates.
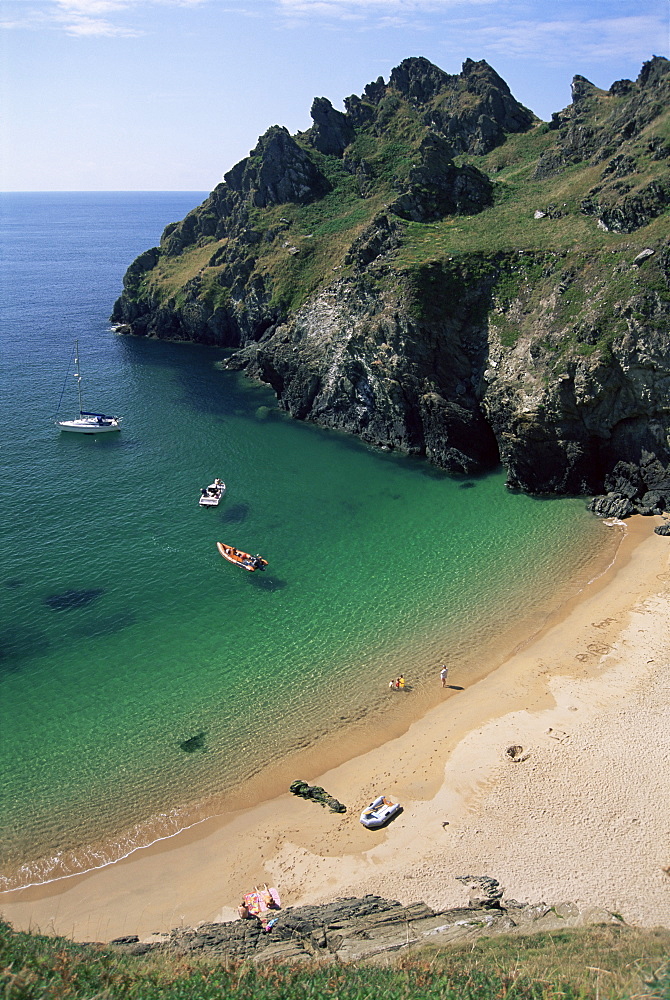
(196, 742)
(70, 599)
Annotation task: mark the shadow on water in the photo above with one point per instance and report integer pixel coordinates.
(269, 583)
(194, 743)
(70, 599)
(197, 369)
(469, 485)
(13, 584)
(18, 644)
(236, 513)
(108, 625)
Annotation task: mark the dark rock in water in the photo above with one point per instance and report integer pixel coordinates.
(70, 599)
(612, 505)
(662, 529)
(196, 742)
(13, 584)
(236, 513)
(18, 644)
(467, 486)
(316, 794)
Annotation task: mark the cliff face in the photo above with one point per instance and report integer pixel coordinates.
(360, 930)
(437, 272)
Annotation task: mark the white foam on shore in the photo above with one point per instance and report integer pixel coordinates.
(57, 859)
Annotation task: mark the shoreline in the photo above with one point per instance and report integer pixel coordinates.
(582, 696)
(351, 719)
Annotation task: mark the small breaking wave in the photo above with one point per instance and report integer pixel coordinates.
(79, 861)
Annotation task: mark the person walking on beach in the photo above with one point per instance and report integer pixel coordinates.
(443, 674)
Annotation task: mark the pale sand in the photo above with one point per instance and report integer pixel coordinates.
(586, 817)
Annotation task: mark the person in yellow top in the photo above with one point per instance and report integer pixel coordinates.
(401, 683)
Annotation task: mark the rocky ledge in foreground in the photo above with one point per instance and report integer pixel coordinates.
(351, 930)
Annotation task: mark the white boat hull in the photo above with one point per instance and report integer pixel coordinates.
(379, 812)
(84, 426)
(88, 422)
(212, 494)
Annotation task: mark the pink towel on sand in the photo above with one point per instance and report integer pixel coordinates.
(257, 905)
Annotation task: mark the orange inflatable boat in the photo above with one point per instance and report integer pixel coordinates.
(243, 559)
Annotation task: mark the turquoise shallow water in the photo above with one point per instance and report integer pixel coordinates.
(376, 563)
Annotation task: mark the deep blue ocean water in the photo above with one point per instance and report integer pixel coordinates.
(123, 634)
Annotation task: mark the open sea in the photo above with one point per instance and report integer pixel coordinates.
(145, 683)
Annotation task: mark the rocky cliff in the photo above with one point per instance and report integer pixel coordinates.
(436, 271)
(362, 929)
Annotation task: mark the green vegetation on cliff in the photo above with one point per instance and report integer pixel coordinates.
(439, 272)
(601, 963)
(452, 191)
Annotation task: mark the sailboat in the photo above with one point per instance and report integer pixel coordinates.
(86, 422)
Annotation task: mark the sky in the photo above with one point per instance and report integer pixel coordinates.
(167, 95)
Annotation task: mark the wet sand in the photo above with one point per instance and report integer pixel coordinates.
(583, 815)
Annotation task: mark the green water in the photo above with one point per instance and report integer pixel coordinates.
(368, 553)
(123, 634)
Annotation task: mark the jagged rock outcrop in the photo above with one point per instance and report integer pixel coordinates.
(376, 273)
(277, 171)
(473, 110)
(623, 201)
(486, 893)
(354, 930)
(332, 131)
(436, 187)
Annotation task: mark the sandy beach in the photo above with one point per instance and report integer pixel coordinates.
(583, 814)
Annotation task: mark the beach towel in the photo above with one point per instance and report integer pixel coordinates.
(257, 905)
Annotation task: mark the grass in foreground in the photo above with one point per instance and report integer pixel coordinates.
(598, 963)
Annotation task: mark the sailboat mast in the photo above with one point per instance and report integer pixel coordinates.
(77, 373)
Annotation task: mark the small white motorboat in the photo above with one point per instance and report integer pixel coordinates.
(379, 812)
(210, 495)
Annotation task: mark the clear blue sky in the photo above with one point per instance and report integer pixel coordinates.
(169, 94)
